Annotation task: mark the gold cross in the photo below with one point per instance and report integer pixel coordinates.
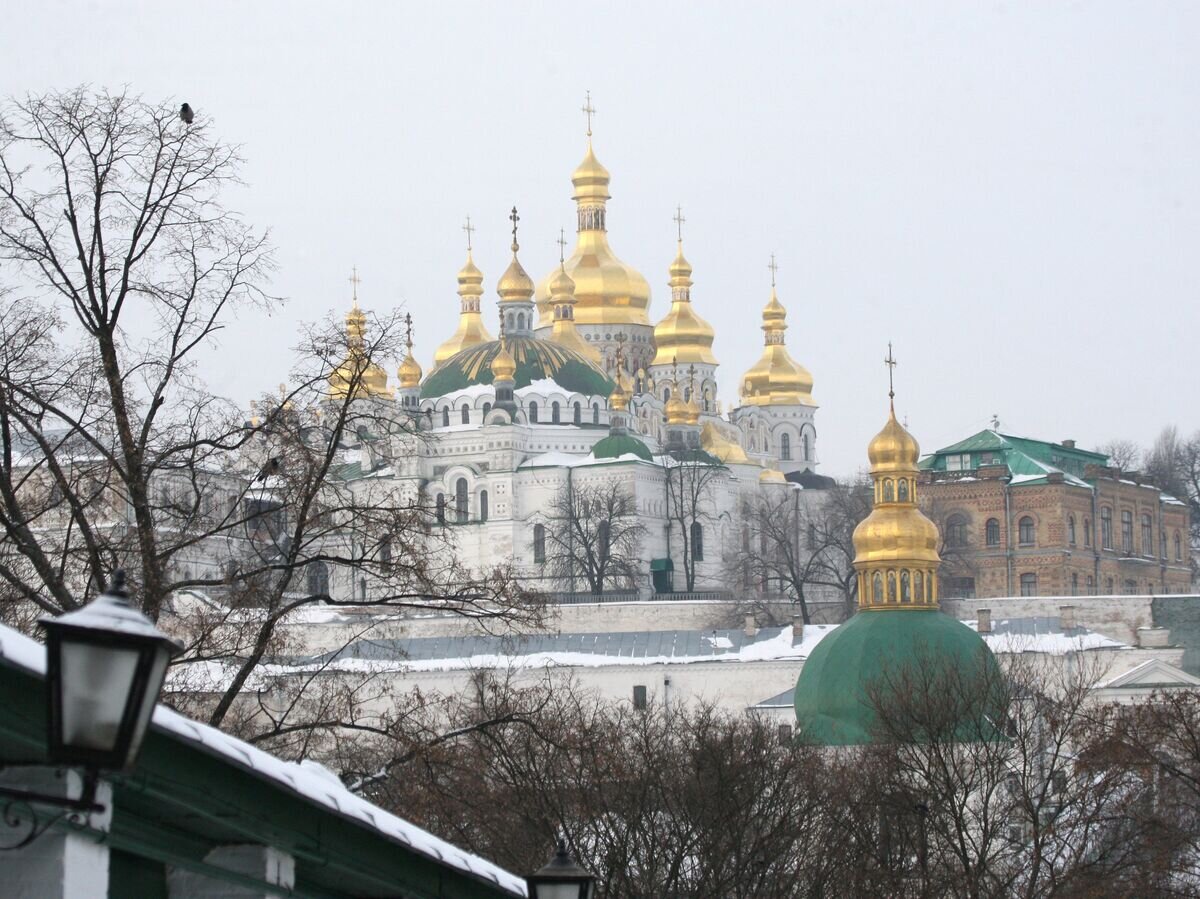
(679, 220)
(589, 111)
(692, 378)
(514, 218)
(408, 324)
(355, 280)
(774, 267)
(562, 245)
(890, 362)
(470, 230)
(620, 338)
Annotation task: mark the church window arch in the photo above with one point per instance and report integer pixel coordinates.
(317, 577)
(1071, 530)
(466, 414)
(532, 412)
(902, 490)
(666, 394)
(1087, 532)
(1026, 531)
(539, 543)
(785, 447)
(929, 587)
(877, 588)
(804, 447)
(487, 407)
(520, 321)
(555, 413)
(889, 490)
(595, 413)
(956, 531)
(891, 594)
(440, 508)
(460, 500)
(992, 532)
(483, 505)
(578, 414)
(905, 589)
(697, 534)
(1178, 548)
(446, 417)
(918, 585)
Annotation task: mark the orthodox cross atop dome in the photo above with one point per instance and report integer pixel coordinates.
(470, 230)
(774, 267)
(589, 111)
(890, 362)
(514, 218)
(355, 280)
(679, 220)
(562, 246)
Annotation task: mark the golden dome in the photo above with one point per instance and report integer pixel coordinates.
(771, 476)
(677, 411)
(607, 291)
(682, 334)
(618, 400)
(691, 412)
(717, 444)
(776, 378)
(471, 330)
(503, 365)
(372, 380)
(410, 370)
(564, 333)
(515, 285)
(896, 546)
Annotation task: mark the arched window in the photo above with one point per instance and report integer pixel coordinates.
(595, 413)
(1029, 584)
(466, 414)
(929, 588)
(487, 407)
(956, 531)
(891, 597)
(578, 419)
(804, 446)
(460, 500)
(1178, 548)
(532, 412)
(889, 490)
(1106, 528)
(785, 447)
(1091, 586)
(697, 542)
(520, 321)
(446, 417)
(317, 576)
(440, 506)
(1087, 532)
(385, 551)
(905, 594)
(902, 490)
(1025, 532)
(666, 394)
(539, 543)
(918, 585)
(603, 534)
(877, 588)
(555, 413)
(483, 505)
(1071, 529)
(1074, 584)
(992, 532)
(1147, 536)
(1108, 586)
(1127, 531)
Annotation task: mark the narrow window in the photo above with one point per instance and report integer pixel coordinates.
(362, 588)
(1091, 586)
(992, 531)
(603, 532)
(1147, 536)
(1071, 529)
(385, 551)
(804, 446)
(466, 414)
(446, 417)
(785, 447)
(956, 531)
(554, 413)
(483, 505)
(595, 413)
(812, 536)
(1108, 586)
(578, 419)
(891, 596)
(460, 500)
(905, 595)
(1087, 532)
(639, 696)
(532, 412)
(1178, 548)
(919, 585)
(1106, 528)
(487, 407)
(1126, 531)
(539, 543)
(697, 542)
(1025, 532)
(902, 490)
(441, 508)
(889, 490)
(317, 575)
(1029, 584)
(877, 588)
(1074, 584)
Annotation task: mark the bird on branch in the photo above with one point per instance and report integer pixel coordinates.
(185, 113)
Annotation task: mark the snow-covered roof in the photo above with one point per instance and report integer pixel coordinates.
(315, 784)
(556, 459)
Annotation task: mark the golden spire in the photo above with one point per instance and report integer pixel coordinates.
(515, 285)
(471, 330)
(682, 333)
(504, 367)
(691, 408)
(618, 400)
(562, 299)
(895, 547)
(776, 378)
(410, 369)
(372, 379)
(589, 111)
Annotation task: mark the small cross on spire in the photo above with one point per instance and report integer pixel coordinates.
(890, 362)
(589, 111)
(774, 267)
(679, 220)
(514, 218)
(355, 280)
(408, 329)
(620, 338)
(470, 230)
(562, 247)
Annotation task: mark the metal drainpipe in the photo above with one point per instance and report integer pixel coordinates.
(1095, 545)
(1008, 550)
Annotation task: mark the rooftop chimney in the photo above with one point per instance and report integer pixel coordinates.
(797, 630)
(984, 623)
(1153, 637)
(1066, 617)
(1069, 444)
(751, 628)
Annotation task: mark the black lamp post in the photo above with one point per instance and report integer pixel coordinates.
(561, 878)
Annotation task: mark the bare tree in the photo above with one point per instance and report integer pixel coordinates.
(1123, 454)
(594, 535)
(126, 264)
(691, 507)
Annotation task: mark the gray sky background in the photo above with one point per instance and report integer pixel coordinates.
(1008, 191)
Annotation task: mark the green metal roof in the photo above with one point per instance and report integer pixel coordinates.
(535, 359)
(615, 445)
(1030, 460)
(832, 707)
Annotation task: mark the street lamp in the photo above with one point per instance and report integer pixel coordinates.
(561, 878)
(105, 667)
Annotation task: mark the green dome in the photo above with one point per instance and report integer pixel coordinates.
(619, 445)
(831, 693)
(536, 359)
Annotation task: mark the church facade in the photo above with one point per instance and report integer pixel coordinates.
(582, 391)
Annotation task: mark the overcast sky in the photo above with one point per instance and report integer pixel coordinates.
(1010, 192)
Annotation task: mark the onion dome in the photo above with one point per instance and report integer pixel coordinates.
(715, 442)
(691, 412)
(607, 291)
(372, 380)
(618, 400)
(503, 367)
(677, 411)
(682, 334)
(471, 330)
(899, 627)
(515, 285)
(615, 445)
(534, 360)
(776, 378)
(562, 301)
(771, 476)
(410, 370)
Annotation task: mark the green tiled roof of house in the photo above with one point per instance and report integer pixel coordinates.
(1027, 460)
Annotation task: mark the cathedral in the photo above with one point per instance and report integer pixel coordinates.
(582, 387)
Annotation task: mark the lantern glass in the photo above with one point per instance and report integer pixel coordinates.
(562, 878)
(97, 683)
(572, 890)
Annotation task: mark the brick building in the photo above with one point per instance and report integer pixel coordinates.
(1027, 517)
